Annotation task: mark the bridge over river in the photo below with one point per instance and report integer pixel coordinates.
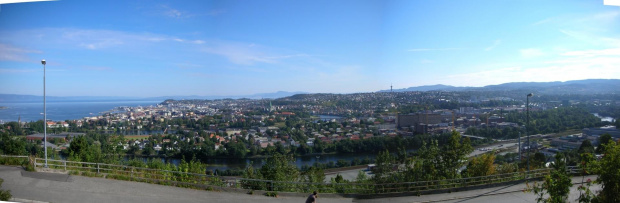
(54, 187)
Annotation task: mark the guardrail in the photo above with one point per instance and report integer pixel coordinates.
(209, 182)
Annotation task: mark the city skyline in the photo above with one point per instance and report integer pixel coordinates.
(135, 48)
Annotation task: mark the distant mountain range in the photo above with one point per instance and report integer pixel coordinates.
(590, 86)
(33, 98)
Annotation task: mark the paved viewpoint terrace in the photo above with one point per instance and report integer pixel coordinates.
(51, 187)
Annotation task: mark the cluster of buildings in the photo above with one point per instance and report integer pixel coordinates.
(444, 120)
(593, 134)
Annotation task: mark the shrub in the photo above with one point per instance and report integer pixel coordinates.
(5, 195)
(271, 194)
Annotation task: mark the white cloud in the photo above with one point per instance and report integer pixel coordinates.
(171, 12)
(168, 11)
(605, 17)
(590, 53)
(198, 42)
(16, 70)
(11, 53)
(531, 53)
(435, 49)
(103, 43)
(248, 54)
(495, 44)
(581, 21)
(611, 2)
(93, 39)
(570, 65)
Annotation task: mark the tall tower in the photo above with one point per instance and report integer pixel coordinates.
(391, 90)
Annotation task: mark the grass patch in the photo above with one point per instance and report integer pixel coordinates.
(136, 137)
(280, 124)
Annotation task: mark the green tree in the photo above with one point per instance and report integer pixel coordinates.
(587, 166)
(454, 153)
(80, 149)
(481, 166)
(609, 173)
(314, 175)
(586, 147)
(539, 160)
(602, 140)
(556, 185)
(13, 145)
(279, 167)
(384, 166)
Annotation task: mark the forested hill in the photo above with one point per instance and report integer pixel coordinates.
(590, 86)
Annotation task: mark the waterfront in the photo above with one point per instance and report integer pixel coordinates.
(60, 111)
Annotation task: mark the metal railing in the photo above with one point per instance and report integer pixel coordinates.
(197, 180)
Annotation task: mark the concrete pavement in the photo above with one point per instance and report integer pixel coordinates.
(50, 187)
(508, 194)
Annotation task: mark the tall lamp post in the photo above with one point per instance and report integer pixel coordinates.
(529, 145)
(44, 115)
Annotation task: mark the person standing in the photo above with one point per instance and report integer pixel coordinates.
(312, 197)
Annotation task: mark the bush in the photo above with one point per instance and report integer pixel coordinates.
(5, 195)
(28, 166)
(12, 161)
(271, 194)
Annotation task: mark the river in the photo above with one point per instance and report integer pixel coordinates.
(609, 119)
(236, 163)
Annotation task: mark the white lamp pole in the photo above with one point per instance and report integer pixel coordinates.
(44, 115)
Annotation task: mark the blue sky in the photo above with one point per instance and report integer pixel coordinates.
(174, 48)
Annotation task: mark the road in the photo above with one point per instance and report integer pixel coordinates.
(492, 147)
(50, 187)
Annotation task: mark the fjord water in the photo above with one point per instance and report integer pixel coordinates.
(62, 110)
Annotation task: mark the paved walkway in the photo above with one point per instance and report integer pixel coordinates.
(508, 194)
(51, 187)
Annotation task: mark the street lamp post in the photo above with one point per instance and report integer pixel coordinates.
(44, 115)
(529, 145)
